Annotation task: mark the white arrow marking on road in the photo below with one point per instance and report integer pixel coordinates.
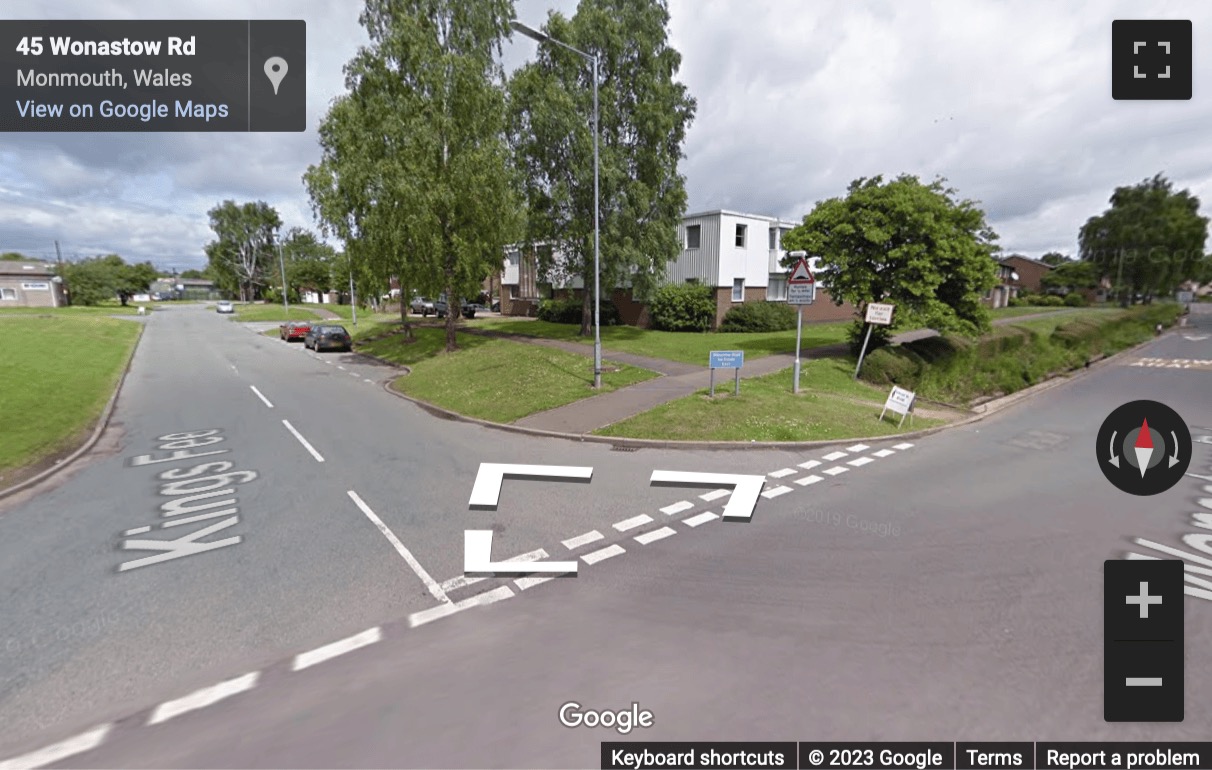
(486, 492)
(744, 494)
(1114, 457)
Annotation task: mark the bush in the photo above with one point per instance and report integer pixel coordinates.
(568, 311)
(892, 366)
(760, 317)
(686, 307)
(1047, 300)
(1074, 299)
(1019, 301)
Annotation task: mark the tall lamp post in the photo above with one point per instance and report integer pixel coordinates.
(542, 37)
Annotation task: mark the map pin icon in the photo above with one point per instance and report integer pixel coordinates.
(275, 70)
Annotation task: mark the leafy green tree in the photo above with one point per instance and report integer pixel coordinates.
(243, 256)
(1071, 276)
(92, 281)
(14, 256)
(1054, 258)
(644, 115)
(907, 243)
(309, 262)
(193, 274)
(1149, 241)
(415, 173)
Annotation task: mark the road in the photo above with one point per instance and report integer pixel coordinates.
(946, 590)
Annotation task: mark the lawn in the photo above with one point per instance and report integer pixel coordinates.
(687, 347)
(830, 405)
(1015, 312)
(61, 372)
(264, 312)
(494, 379)
(108, 308)
(1046, 326)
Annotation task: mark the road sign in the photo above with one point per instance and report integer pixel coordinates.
(801, 293)
(879, 314)
(899, 401)
(726, 359)
(800, 274)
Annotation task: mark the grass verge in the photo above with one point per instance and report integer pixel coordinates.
(262, 312)
(61, 372)
(75, 311)
(830, 405)
(494, 379)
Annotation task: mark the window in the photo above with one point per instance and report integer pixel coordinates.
(777, 290)
(738, 289)
(693, 281)
(8, 294)
(774, 238)
(740, 235)
(513, 291)
(693, 233)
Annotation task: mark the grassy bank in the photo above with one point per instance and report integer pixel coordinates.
(61, 372)
(958, 371)
(263, 312)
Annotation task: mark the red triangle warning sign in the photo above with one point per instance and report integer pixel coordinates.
(800, 273)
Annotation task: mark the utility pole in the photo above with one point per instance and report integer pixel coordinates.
(282, 263)
(58, 254)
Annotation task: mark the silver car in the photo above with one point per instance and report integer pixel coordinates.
(422, 306)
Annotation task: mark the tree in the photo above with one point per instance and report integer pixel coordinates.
(1054, 258)
(242, 255)
(309, 262)
(1149, 241)
(1071, 276)
(193, 274)
(416, 172)
(14, 256)
(906, 243)
(92, 281)
(644, 115)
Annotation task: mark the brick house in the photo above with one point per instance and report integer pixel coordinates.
(30, 284)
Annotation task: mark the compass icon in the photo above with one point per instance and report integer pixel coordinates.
(1144, 447)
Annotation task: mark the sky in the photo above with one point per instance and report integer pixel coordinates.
(1008, 100)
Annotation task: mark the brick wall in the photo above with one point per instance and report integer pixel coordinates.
(822, 309)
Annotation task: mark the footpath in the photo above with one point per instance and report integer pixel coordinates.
(677, 379)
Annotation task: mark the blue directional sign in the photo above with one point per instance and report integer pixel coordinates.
(727, 359)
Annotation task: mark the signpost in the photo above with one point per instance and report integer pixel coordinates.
(726, 359)
(877, 313)
(801, 290)
(900, 401)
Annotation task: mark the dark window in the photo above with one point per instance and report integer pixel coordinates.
(693, 234)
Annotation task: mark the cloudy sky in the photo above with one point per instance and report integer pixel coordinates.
(1010, 100)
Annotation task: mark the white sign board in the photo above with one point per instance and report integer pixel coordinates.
(1185, 297)
(879, 314)
(899, 401)
(801, 293)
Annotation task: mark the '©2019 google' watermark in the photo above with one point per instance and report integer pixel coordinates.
(855, 522)
(42, 638)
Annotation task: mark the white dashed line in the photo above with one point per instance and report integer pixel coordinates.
(207, 696)
(684, 505)
(530, 582)
(836, 470)
(809, 465)
(605, 553)
(835, 456)
(353, 374)
(652, 537)
(633, 522)
(573, 543)
(884, 453)
(781, 473)
(776, 492)
(435, 590)
(261, 396)
(809, 480)
(433, 613)
(860, 462)
(463, 580)
(489, 597)
(136, 531)
(857, 448)
(59, 751)
(702, 518)
(371, 382)
(342, 368)
(330, 651)
(715, 495)
(303, 441)
(903, 446)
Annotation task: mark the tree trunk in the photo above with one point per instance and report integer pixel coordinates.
(404, 313)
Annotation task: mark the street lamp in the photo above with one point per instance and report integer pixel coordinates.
(543, 37)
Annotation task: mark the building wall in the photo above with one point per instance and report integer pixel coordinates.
(751, 262)
(701, 263)
(25, 291)
(1030, 273)
(822, 309)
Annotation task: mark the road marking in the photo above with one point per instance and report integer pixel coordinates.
(59, 751)
(857, 448)
(652, 537)
(530, 582)
(860, 462)
(463, 580)
(716, 495)
(605, 553)
(434, 589)
(884, 453)
(702, 518)
(809, 480)
(138, 531)
(573, 543)
(684, 505)
(633, 522)
(329, 651)
(261, 396)
(303, 441)
(835, 456)
(433, 613)
(488, 597)
(353, 374)
(903, 446)
(810, 464)
(836, 470)
(776, 492)
(207, 696)
(369, 381)
(781, 473)
(342, 368)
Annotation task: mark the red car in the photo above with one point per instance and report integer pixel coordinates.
(294, 330)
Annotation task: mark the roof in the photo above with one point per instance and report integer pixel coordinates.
(1026, 259)
(195, 282)
(726, 212)
(27, 268)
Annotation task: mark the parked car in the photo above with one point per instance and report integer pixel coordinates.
(423, 306)
(225, 307)
(440, 306)
(294, 330)
(323, 337)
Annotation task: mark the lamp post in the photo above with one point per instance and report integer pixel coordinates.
(543, 37)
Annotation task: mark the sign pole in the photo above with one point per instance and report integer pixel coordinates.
(799, 326)
(713, 382)
(737, 390)
(863, 352)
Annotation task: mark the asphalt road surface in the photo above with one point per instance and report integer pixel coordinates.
(948, 590)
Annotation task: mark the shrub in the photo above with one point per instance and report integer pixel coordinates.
(892, 366)
(1018, 301)
(1047, 300)
(686, 307)
(568, 311)
(759, 317)
(1073, 299)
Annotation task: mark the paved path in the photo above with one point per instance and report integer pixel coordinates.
(678, 381)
